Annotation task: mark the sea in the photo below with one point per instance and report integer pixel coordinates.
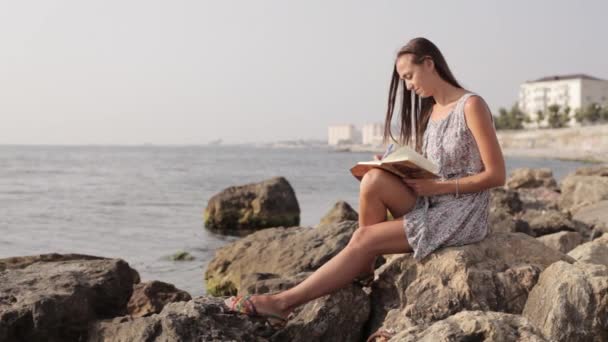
(145, 203)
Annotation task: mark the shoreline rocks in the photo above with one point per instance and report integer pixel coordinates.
(254, 206)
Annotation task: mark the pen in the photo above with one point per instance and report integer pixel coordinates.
(389, 149)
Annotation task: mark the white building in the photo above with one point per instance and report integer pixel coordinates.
(573, 91)
(342, 134)
(371, 134)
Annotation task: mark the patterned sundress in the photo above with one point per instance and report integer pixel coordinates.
(446, 220)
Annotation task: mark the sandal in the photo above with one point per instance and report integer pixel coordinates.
(384, 336)
(244, 305)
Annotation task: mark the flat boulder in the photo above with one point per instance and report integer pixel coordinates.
(582, 191)
(150, 297)
(281, 251)
(474, 326)
(596, 170)
(539, 198)
(543, 222)
(495, 274)
(593, 252)
(238, 209)
(570, 302)
(562, 241)
(595, 216)
(54, 297)
(531, 178)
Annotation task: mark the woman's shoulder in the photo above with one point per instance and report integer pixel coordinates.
(475, 108)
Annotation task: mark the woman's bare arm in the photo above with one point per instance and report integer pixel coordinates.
(479, 121)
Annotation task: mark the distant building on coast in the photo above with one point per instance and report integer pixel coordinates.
(572, 91)
(342, 134)
(371, 134)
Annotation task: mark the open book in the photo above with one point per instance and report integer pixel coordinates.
(403, 162)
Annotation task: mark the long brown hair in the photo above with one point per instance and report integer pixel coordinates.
(420, 49)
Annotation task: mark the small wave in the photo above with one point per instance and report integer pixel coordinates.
(163, 204)
(114, 203)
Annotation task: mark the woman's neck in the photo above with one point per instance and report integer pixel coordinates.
(446, 93)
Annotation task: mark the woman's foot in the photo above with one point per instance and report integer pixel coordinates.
(267, 306)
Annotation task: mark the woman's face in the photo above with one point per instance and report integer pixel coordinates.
(417, 76)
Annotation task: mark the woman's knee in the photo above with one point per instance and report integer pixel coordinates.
(372, 179)
(361, 239)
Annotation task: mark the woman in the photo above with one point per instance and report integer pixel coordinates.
(451, 127)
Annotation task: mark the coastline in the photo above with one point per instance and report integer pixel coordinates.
(588, 144)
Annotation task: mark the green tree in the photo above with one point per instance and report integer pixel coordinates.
(512, 119)
(590, 114)
(540, 117)
(556, 117)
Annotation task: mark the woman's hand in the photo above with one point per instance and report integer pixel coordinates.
(424, 187)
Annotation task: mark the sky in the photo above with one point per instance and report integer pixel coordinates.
(178, 72)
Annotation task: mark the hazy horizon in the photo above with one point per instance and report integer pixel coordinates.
(190, 72)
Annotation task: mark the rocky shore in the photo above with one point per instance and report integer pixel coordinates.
(541, 274)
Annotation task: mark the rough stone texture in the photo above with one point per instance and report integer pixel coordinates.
(278, 250)
(562, 241)
(200, 319)
(596, 170)
(593, 252)
(531, 178)
(270, 203)
(474, 326)
(539, 198)
(543, 222)
(150, 298)
(581, 191)
(329, 318)
(53, 297)
(502, 221)
(341, 211)
(595, 216)
(504, 205)
(570, 302)
(493, 275)
(501, 198)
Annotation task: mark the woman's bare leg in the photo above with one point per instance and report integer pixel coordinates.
(366, 243)
(381, 190)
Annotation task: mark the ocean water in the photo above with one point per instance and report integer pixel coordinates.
(143, 204)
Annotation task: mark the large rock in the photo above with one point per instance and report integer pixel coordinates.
(502, 221)
(501, 198)
(53, 297)
(562, 241)
(570, 302)
(594, 252)
(341, 211)
(150, 298)
(504, 205)
(539, 198)
(531, 178)
(581, 191)
(543, 222)
(474, 326)
(495, 274)
(270, 203)
(596, 170)
(278, 250)
(200, 319)
(595, 216)
(328, 318)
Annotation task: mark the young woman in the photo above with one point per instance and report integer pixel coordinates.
(454, 129)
